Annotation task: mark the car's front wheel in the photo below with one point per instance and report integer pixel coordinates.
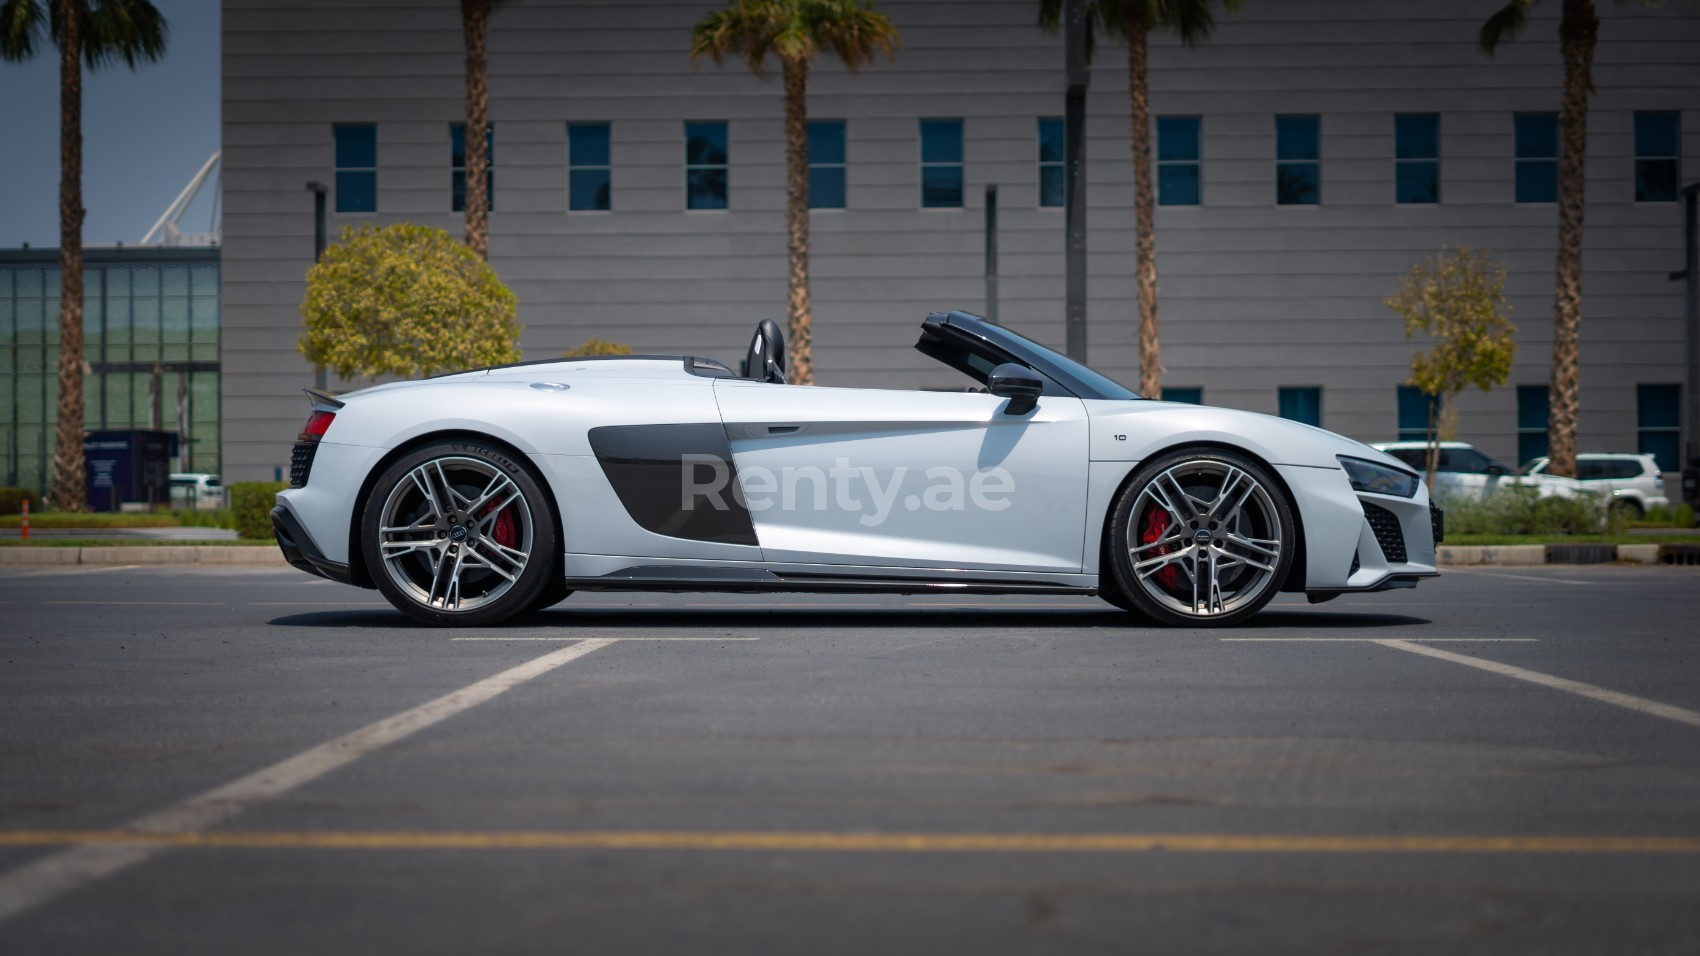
(1201, 537)
(459, 533)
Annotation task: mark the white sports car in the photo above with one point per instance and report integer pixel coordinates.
(470, 498)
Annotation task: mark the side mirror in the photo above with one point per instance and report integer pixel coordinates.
(1495, 469)
(1018, 383)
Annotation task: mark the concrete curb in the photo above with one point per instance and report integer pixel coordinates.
(257, 556)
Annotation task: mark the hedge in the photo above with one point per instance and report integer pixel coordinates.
(253, 501)
(11, 500)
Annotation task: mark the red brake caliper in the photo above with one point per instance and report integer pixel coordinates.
(506, 530)
(1155, 526)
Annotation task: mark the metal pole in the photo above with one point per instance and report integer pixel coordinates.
(1690, 275)
(319, 190)
(1074, 201)
(992, 251)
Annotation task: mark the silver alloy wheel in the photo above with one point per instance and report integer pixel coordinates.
(1204, 538)
(455, 533)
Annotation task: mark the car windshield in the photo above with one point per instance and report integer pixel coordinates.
(1106, 386)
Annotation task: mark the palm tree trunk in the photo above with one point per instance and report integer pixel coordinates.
(799, 321)
(475, 25)
(1577, 31)
(1145, 229)
(70, 489)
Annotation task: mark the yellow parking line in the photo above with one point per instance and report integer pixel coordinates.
(831, 842)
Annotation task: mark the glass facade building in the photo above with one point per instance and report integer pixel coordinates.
(151, 341)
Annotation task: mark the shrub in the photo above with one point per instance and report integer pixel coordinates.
(12, 499)
(1682, 517)
(596, 346)
(252, 502)
(1517, 511)
(206, 518)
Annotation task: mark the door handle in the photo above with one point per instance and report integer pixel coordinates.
(784, 429)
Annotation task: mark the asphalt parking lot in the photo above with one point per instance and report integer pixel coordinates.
(250, 760)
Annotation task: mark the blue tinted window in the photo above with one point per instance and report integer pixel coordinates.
(941, 163)
(1302, 404)
(457, 166)
(1177, 160)
(1658, 416)
(1657, 156)
(1188, 394)
(356, 167)
(1053, 188)
(1531, 423)
(1298, 151)
(1536, 150)
(705, 165)
(1416, 155)
(1413, 413)
(826, 164)
(589, 172)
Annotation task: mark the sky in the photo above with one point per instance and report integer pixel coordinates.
(145, 134)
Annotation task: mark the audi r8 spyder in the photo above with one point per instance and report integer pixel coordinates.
(469, 498)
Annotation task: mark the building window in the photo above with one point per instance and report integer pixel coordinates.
(1191, 395)
(826, 164)
(1416, 158)
(1053, 188)
(1531, 422)
(1177, 160)
(356, 167)
(1413, 413)
(1302, 404)
(1657, 148)
(1537, 156)
(941, 164)
(1298, 160)
(705, 165)
(589, 169)
(457, 165)
(1658, 422)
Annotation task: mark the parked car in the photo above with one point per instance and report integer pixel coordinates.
(1633, 481)
(1466, 472)
(192, 491)
(470, 498)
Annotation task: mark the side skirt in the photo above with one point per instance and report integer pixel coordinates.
(758, 580)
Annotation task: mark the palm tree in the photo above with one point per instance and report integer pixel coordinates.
(1578, 28)
(475, 30)
(95, 33)
(1132, 21)
(794, 31)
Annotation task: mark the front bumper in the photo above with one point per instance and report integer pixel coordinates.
(301, 551)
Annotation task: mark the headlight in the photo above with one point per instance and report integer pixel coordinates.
(1378, 479)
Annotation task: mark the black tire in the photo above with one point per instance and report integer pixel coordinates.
(1629, 508)
(471, 504)
(553, 592)
(1203, 508)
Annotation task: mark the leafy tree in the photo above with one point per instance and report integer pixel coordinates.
(596, 346)
(1458, 299)
(1578, 29)
(475, 31)
(95, 34)
(1132, 21)
(406, 300)
(794, 32)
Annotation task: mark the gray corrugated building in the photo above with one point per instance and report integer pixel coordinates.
(1298, 129)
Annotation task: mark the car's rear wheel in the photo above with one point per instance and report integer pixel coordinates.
(459, 533)
(1629, 508)
(1201, 537)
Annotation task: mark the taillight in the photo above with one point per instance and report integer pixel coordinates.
(317, 424)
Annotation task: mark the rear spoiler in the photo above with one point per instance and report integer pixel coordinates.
(321, 399)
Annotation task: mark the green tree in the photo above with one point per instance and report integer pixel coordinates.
(95, 34)
(406, 300)
(1578, 29)
(794, 32)
(475, 32)
(594, 346)
(1457, 298)
(1132, 21)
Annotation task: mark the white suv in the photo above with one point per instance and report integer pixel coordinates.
(1633, 481)
(1465, 472)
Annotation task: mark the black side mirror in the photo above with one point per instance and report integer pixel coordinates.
(1495, 469)
(1018, 383)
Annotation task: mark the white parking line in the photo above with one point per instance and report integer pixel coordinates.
(137, 603)
(607, 639)
(1517, 577)
(1377, 640)
(35, 883)
(1613, 697)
